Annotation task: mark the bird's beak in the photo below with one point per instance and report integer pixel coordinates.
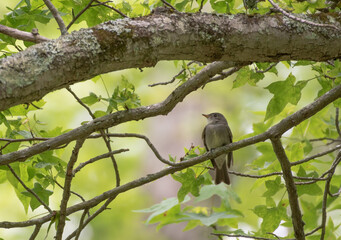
(205, 115)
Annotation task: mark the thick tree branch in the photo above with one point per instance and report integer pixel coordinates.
(144, 41)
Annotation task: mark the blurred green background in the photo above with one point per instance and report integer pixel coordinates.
(170, 134)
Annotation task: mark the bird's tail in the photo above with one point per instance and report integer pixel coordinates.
(222, 175)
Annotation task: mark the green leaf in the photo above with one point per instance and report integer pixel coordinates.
(42, 193)
(242, 78)
(273, 186)
(225, 193)
(207, 220)
(91, 99)
(190, 183)
(162, 207)
(284, 92)
(271, 217)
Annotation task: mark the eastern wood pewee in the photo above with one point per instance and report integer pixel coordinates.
(216, 134)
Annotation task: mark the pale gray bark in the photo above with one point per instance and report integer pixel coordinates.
(142, 42)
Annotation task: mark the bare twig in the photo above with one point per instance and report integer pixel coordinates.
(315, 156)
(67, 186)
(35, 232)
(92, 160)
(242, 236)
(57, 16)
(300, 19)
(81, 221)
(106, 140)
(337, 123)
(29, 190)
(167, 4)
(22, 35)
(325, 195)
(173, 79)
(88, 220)
(74, 19)
(291, 189)
(152, 147)
(112, 8)
(255, 176)
(201, 5)
(223, 75)
(267, 69)
(74, 193)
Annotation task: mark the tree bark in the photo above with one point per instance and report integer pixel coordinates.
(142, 42)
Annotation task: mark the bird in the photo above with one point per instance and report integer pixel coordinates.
(250, 4)
(217, 133)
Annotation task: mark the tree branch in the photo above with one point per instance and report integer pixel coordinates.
(122, 116)
(22, 35)
(92, 160)
(67, 187)
(57, 16)
(315, 156)
(144, 41)
(325, 195)
(291, 189)
(35, 232)
(152, 147)
(29, 190)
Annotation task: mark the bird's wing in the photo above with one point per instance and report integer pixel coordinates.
(203, 138)
(230, 154)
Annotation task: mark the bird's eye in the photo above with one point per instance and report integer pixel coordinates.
(215, 115)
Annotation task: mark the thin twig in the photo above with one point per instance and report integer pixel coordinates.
(74, 193)
(81, 221)
(74, 19)
(201, 5)
(57, 16)
(337, 123)
(92, 160)
(315, 156)
(223, 75)
(35, 232)
(243, 236)
(300, 19)
(267, 69)
(167, 4)
(29, 190)
(89, 219)
(112, 8)
(67, 187)
(106, 140)
(152, 147)
(173, 79)
(325, 195)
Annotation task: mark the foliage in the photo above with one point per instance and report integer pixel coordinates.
(40, 174)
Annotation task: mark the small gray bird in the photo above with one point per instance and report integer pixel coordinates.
(216, 134)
